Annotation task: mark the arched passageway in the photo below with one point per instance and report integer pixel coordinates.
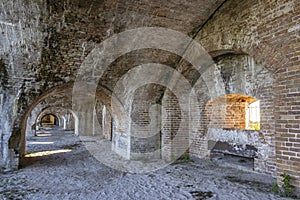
(45, 43)
(49, 120)
(53, 115)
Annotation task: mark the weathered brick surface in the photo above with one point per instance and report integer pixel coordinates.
(224, 115)
(269, 32)
(228, 112)
(43, 44)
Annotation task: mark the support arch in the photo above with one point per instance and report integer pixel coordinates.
(102, 94)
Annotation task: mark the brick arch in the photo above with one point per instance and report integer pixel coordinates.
(44, 96)
(102, 94)
(220, 52)
(262, 52)
(58, 111)
(267, 56)
(56, 116)
(48, 111)
(267, 132)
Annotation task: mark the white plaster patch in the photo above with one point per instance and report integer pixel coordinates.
(233, 136)
(294, 28)
(7, 23)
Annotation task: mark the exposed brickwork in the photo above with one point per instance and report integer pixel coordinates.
(268, 31)
(244, 81)
(65, 32)
(227, 112)
(255, 46)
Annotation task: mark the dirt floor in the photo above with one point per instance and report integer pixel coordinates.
(58, 166)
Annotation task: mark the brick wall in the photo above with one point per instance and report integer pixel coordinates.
(66, 31)
(268, 31)
(227, 112)
(242, 81)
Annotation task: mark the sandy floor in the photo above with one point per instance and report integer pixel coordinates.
(71, 172)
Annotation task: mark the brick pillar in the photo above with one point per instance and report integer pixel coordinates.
(287, 119)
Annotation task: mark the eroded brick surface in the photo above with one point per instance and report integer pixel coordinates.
(254, 45)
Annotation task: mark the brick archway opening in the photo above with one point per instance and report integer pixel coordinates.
(50, 120)
(232, 123)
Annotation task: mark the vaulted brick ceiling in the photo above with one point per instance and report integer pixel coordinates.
(181, 15)
(69, 24)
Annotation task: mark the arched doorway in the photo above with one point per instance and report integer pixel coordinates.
(49, 120)
(58, 102)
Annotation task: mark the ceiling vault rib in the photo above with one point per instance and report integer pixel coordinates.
(209, 18)
(193, 37)
(200, 28)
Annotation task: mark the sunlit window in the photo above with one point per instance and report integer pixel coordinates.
(233, 112)
(253, 116)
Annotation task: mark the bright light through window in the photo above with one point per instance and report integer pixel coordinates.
(253, 116)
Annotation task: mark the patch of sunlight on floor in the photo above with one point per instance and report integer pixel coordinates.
(46, 153)
(40, 142)
(44, 135)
